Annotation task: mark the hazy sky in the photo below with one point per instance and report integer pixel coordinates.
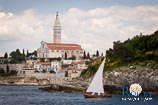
(94, 24)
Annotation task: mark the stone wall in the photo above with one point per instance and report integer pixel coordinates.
(16, 67)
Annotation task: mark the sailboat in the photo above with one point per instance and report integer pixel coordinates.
(96, 88)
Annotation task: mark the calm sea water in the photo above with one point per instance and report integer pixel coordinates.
(30, 95)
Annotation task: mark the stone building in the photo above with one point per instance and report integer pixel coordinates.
(48, 66)
(57, 49)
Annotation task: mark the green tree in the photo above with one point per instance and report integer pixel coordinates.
(88, 55)
(66, 73)
(102, 54)
(27, 54)
(18, 52)
(7, 68)
(97, 53)
(65, 55)
(23, 52)
(6, 55)
(17, 57)
(35, 53)
(139, 48)
(84, 55)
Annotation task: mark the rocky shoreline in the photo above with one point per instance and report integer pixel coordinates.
(27, 81)
(113, 81)
(72, 89)
(61, 88)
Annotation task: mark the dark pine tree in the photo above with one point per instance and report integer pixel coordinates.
(18, 52)
(35, 53)
(65, 55)
(84, 55)
(88, 55)
(97, 53)
(102, 54)
(7, 68)
(23, 52)
(6, 55)
(27, 53)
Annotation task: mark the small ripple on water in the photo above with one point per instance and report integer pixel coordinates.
(31, 95)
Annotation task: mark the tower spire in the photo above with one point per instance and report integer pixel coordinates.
(57, 29)
(57, 13)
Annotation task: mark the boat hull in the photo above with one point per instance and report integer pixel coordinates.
(89, 95)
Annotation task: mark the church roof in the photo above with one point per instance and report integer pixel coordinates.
(63, 46)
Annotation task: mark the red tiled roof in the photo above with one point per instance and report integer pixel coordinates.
(44, 63)
(70, 68)
(63, 46)
(79, 62)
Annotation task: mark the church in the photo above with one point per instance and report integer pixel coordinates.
(57, 49)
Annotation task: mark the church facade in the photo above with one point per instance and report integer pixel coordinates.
(57, 49)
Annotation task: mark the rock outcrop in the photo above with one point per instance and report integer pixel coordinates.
(147, 78)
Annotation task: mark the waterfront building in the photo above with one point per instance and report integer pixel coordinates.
(25, 71)
(42, 66)
(54, 66)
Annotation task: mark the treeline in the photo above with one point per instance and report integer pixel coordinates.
(19, 57)
(138, 49)
(93, 65)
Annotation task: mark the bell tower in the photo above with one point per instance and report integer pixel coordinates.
(57, 30)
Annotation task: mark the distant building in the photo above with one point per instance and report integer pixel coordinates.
(42, 66)
(74, 69)
(57, 48)
(26, 71)
(72, 72)
(54, 66)
(80, 65)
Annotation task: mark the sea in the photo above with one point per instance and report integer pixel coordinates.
(31, 95)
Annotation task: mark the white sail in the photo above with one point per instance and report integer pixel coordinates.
(96, 85)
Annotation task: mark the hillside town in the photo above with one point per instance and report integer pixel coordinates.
(50, 60)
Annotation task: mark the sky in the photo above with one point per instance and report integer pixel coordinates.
(94, 24)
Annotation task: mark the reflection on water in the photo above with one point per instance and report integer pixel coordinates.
(30, 95)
